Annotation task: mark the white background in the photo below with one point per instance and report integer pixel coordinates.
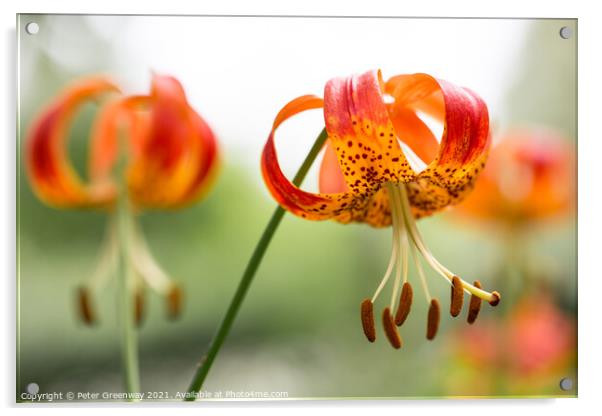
(589, 190)
(239, 83)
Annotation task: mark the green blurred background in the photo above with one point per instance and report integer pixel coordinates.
(298, 330)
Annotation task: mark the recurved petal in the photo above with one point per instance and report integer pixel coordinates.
(177, 156)
(362, 134)
(124, 118)
(335, 201)
(412, 131)
(207, 166)
(410, 90)
(466, 134)
(52, 176)
(304, 204)
(463, 148)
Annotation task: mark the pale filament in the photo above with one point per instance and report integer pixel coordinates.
(426, 253)
(399, 252)
(146, 266)
(397, 200)
(399, 229)
(392, 261)
(107, 259)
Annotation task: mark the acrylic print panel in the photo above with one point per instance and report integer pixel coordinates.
(147, 178)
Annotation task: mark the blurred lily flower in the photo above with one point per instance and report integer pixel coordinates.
(383, 166)
(530, 350)
(530, 176)
(539, 336)
(152, 150)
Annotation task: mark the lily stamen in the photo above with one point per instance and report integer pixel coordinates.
(367, 315)
(384, 280)
(105, 266)
(407, 237)
(405, 303)
(147, 273)
(146, 265)
(420, 270)
(153, 275)
(457, 297)
(107, 259)
(475, 305)
(86, 311)
(400, 251)
(402, 268)
(391, 329)
(174, 301)
(432, 324)
(398, 267)
(491, 297)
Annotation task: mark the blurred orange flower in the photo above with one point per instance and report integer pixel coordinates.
(166, 159)
(531, 349)
(171, 151)
(384, 166)
(539, 336)
(530, 176)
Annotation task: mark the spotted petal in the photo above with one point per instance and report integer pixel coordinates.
(336, 201)
(378, 142)
(362, 133)
(302, 203)
(372, 142)
(463, 148)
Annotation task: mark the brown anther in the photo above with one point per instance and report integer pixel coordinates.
(368, 320)
(139, 307)
(457, 297)
(391, 329)
(432, 324)
(85, 306)
(174, 302)
(405, 303)
(475, 305)
(496, 298)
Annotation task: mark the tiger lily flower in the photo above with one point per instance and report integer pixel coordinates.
(168, 161)
(530, 177)
(384, 167)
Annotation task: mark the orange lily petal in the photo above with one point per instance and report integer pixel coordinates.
(463, 148)
(410, 89)
(207, 161)
(177, 157)
(115, 118)
(342, 206)
(365, 133)
(331, 180)
(411, 130)
(362, 133)
(304, 204)
(127, 113)
(52, 177)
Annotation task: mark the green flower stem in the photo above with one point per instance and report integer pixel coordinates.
(129, 348)
(247, 277)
